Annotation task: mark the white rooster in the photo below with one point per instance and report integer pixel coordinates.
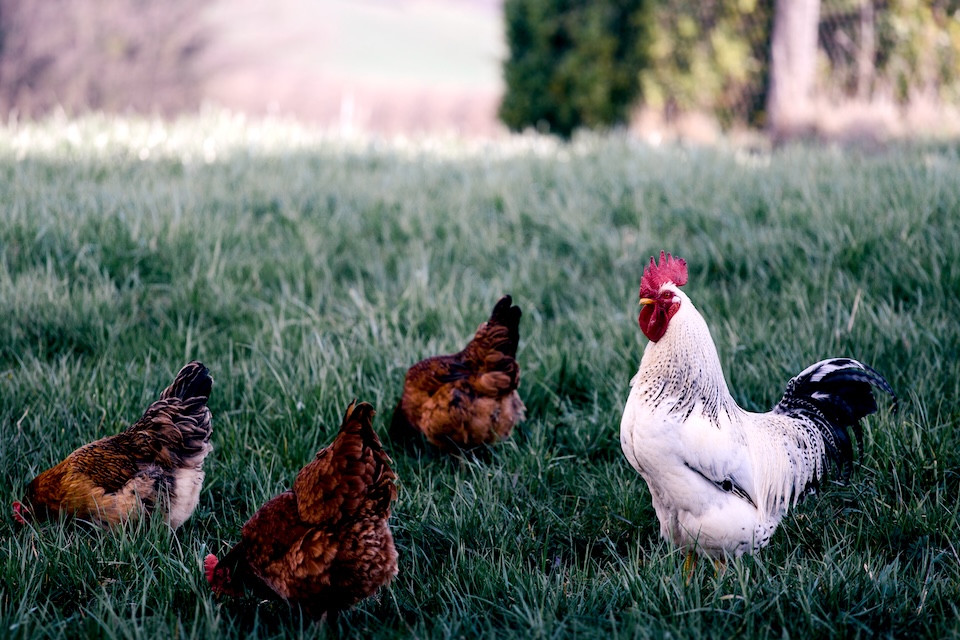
(722, 478)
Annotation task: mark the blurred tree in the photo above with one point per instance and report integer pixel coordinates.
(793, 66)
(100, 54)
(709, 57)
(897, 49)
(573, 63)
(919, 48)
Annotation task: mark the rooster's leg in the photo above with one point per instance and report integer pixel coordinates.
(689, 564)
(719, 567)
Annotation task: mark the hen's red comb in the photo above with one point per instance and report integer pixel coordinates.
(18, 510)
(670, 269)
(209, 565)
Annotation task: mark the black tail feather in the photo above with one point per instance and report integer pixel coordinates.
(178, 426)
(506, 315)
(193, 381)
(835, 395)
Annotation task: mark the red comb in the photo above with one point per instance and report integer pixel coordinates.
(209, 564)
(655, 276)
(17, 515)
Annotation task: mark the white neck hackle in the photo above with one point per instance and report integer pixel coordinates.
(685, 360)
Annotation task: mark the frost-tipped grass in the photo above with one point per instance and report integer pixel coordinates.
(306, 270)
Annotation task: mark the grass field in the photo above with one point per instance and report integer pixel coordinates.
(307, 271)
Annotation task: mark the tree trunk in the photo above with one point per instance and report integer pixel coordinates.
(793, 64)
(867, 51)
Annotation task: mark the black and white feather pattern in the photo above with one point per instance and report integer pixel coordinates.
(834, 395)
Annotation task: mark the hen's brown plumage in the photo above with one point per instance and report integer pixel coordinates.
(468, 398)
(157, 460)
(326, 544)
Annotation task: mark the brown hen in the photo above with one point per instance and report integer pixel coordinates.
(156, 462)
(326, 544)
(468, 398)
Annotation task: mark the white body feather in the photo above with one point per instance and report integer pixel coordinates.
(721, 478)
(187, 483)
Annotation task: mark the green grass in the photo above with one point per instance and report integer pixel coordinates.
(307, 271)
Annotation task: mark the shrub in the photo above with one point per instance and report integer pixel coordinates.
(573, 63)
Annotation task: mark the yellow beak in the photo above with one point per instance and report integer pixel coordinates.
(644, 301)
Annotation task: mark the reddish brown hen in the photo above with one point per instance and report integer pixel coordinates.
(326, 544)
(156, 462)
(468, 398)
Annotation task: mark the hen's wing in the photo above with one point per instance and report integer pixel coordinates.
(486, 364)
(276, 556)
(436, 394)
(284, 553)
(96, 483)
(428, 376)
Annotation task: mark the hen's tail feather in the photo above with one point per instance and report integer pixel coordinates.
(508, 316)
(359, 420)
(178, 426)
(357, 462)
(834, 395)
(193, 381)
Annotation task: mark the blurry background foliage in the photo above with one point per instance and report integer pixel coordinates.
(918, 45)
(709, 56)
(712, 57)
(109, 55)
(570, 63)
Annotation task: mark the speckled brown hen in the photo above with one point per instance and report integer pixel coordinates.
(468, 398)
(326, 544)
(156, 462)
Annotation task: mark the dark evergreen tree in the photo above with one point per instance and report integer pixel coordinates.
(573, 63)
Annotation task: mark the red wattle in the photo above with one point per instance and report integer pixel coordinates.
(655, 317)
